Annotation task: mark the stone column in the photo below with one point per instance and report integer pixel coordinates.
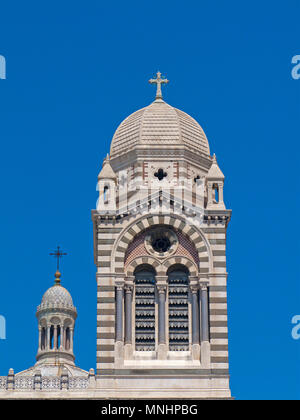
(119, 342)
(128, 313)
(162, 350)
(48, 338)
(119, 312)
(161, 314)
(195, 322)
(221, 192)
(128, 348)
(205, 345)
(40, 338)
(71, 339)
(62, 345)
(204, 312)
(209, 194)
(195, 316)
(55, 337)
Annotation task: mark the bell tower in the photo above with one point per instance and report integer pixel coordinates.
(160, 252)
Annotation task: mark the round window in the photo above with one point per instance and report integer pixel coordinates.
(161, 242)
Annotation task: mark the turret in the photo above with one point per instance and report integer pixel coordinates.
(56, 321)
(215, 185)
(107, 183)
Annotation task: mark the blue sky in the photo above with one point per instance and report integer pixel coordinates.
(75, 70)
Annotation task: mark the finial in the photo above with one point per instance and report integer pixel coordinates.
(214, 158)
(158, 81)
(106, 159)
(57, 277)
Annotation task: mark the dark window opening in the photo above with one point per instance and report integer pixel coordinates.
(160, 174)
(178, 309)
(161, 244)
(145, 309)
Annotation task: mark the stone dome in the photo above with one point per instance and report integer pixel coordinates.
(159, 125)
(57, 295)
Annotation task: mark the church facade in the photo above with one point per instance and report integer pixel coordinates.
(160, 252)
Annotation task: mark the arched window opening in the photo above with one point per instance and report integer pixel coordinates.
(216, 193)
(68, 338)
(58, 337)
(145, 308)
(178, 277)
(105, 194)
(51, 337)
(43, 338)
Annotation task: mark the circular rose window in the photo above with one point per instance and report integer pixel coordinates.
(161, 242)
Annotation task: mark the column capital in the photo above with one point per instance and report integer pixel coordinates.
(128, 288)
(162, 279)
(161, 288)
(194, 288)
(120, 284)
(204, 285)
(129, 279)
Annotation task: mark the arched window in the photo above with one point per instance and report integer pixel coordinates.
(51, 337)
(67, 338)
(216, 193)
(145, 308)
(58, 336)
(43, 338)
(178, 277)
(105, 194)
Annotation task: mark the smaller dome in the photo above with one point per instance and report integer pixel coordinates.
(57, 295)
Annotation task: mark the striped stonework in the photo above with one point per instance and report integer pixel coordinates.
(121, 249)
(161, 261)
(105, 323)
(218, 323)
(106, 237)
(177, 223)
(137, 248)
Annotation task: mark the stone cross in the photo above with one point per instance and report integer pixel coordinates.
(158, 81)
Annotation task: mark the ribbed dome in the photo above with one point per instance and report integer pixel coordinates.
(57, 295)
(159, 125)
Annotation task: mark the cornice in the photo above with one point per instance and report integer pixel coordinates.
(151, 153)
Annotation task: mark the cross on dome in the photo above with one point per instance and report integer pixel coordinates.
(58, 254)
(158, 81)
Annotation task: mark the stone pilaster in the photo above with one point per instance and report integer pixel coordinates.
(11, 379)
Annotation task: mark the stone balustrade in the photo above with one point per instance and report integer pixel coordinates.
(47, 383)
